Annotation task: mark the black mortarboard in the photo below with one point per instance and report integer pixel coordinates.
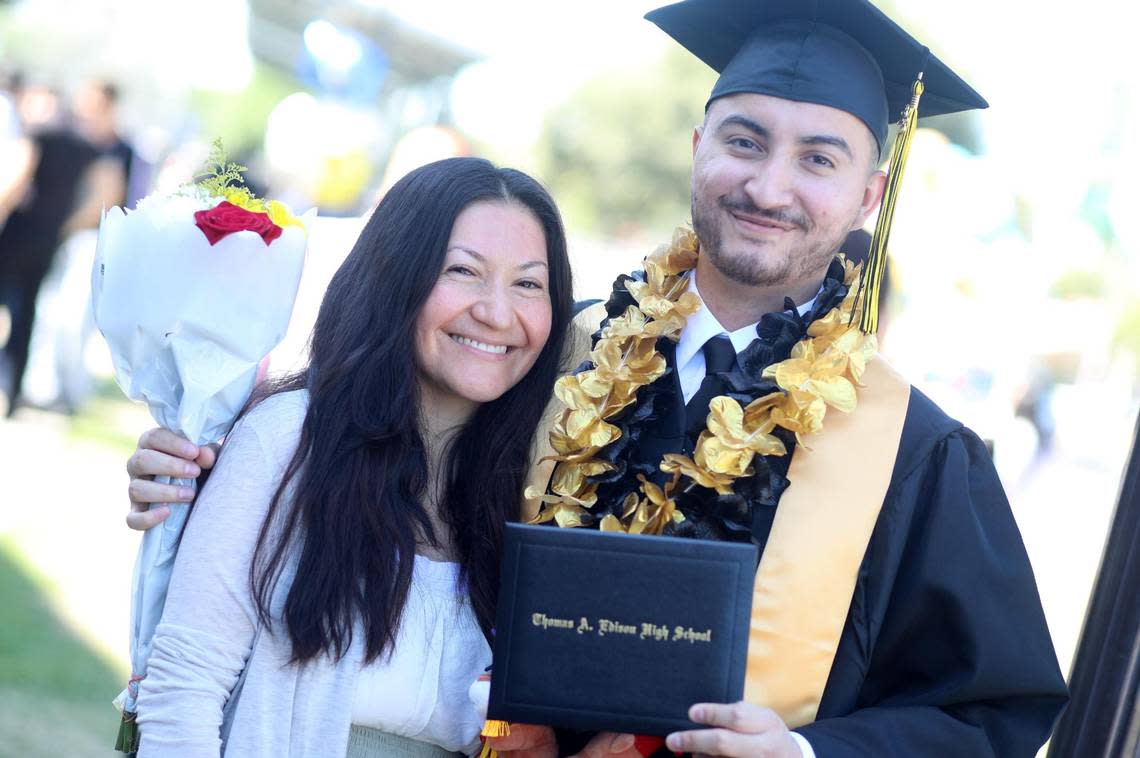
(846, 54)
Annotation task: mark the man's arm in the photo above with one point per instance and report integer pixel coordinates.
(163, 453)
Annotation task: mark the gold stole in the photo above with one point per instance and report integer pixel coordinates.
(810, 564)
(823, 524)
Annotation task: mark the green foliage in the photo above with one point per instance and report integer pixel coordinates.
(617, 154)
(240, 117)
(219, 174)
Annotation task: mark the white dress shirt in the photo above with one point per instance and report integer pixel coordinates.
(699, 329)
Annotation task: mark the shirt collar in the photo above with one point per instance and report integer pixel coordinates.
(703, 325)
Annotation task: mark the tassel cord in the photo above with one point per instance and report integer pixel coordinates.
(870, 282)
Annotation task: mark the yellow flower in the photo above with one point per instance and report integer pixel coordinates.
(663, 508)
(820, 376)
(629, 324)
(683, 465)
(829, 326)
(681, 255)
(729, 444)
(661, 306)
(611, 523)
(582, 421)
(564, 510)
(851, 270)
(569, 477)
(243, 198)
(630, 360)
(280, 214)
(800, 412)
(852, 351)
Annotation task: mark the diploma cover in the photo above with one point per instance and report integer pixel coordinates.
(611, 631)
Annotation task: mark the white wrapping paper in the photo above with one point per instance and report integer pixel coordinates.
(187, 324)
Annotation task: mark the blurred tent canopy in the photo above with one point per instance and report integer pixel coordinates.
(220, 68)
(417, 59)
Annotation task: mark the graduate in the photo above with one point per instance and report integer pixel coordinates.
(895, 610)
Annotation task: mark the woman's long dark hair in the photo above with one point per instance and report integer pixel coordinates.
(360, 471)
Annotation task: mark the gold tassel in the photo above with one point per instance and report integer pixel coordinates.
(493, 728)
(872, 278)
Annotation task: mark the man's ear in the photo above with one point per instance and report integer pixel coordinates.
(872, 196)
(697, 130)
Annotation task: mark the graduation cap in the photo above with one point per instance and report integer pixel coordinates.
(845, 54)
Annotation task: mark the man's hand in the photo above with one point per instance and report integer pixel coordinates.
(740, 729)
(526, 741)
(163, 453)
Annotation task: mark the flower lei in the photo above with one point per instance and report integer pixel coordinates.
(754, 424)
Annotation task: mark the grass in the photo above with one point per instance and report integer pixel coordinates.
(54, 689)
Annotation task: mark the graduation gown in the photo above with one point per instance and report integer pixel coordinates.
(945, 651)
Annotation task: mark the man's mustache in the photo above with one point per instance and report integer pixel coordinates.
(780, 216)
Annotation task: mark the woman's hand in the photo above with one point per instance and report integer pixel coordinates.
(163, 453)
(526, 741)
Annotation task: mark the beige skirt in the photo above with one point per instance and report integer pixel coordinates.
(365, 742)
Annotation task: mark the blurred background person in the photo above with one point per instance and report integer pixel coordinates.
(57, 376)
(61, 187)
(95, 111)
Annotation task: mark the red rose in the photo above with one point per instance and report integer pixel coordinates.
(227, 218)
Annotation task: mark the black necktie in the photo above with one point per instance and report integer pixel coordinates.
(720, 356)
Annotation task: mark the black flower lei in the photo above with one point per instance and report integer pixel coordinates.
(709, 515)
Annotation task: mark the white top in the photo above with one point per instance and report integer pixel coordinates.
(421, 691)
(699, 329)
(209, 633)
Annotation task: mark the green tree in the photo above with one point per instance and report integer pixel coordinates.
(617, 153)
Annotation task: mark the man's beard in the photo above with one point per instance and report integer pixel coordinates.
(751, 268)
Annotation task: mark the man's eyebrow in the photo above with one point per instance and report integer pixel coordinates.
(762, 132)
(828, 139)
(745, 122)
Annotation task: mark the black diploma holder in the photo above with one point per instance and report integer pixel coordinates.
(612, 631)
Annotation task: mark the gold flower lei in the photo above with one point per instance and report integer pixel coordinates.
(823, 370)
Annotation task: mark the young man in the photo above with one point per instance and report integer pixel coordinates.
(896, 610)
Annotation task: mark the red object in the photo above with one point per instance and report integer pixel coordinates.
(647, 745)
(226, 218)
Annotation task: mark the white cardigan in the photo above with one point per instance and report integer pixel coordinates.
(209, 628)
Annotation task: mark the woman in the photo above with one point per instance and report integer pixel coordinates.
(340, 567)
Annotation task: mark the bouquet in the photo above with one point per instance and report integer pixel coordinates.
(191, 291)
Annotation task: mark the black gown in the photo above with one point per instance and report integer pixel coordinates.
(945, 651)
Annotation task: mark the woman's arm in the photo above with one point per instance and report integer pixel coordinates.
(209, 620)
